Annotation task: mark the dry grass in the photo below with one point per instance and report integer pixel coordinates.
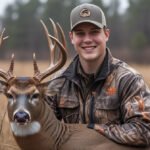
(144, 70)
(26, 68)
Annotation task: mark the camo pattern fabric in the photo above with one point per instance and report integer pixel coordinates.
(116, 97)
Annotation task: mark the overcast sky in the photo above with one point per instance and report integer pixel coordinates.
(4, 3)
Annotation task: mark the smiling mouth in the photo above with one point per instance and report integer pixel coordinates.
(89, 48)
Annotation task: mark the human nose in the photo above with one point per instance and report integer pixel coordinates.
(87, 38)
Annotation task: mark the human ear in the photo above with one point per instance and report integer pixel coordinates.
(71, 37)
(107, 33)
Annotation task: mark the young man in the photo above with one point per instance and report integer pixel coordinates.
(98, 89)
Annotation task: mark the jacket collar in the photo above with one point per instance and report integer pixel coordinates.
(72, 71)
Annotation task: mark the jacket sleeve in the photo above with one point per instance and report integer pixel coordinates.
(52, 102)
(135, 110)
(51, 95)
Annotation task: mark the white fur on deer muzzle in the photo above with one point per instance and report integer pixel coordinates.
(25, 130)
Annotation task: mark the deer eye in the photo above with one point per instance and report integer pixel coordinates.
(35, 99)
(9, 96)
(35, 96)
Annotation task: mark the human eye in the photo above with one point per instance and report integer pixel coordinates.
(95, 31)
(79, 33)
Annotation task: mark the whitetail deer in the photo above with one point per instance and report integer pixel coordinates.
(33, 123)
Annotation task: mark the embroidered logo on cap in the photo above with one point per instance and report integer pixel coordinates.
(85, 12)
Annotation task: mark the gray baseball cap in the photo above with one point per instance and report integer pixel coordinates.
(87, 13)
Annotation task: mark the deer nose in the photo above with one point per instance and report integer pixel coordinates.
(21, 117)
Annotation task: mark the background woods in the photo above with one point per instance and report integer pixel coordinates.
(130, 30)
(129, 40)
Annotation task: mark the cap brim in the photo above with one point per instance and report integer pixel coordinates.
(88, 21)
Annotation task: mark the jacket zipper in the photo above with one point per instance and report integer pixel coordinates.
(91, 102)
(84, 101)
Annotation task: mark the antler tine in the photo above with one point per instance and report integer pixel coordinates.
(35, 66)
(50, 70)
(61, 62)
(51, 46)
(61, 34)
(4, 75)
(11, 67)
(9, 74)
(54, 28)
(53, 53)
(2, 38)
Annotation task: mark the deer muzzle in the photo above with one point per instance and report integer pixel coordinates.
(21, 117)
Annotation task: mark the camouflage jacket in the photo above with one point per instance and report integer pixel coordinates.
(116, 98)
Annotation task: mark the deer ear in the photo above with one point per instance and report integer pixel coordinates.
(3, 86)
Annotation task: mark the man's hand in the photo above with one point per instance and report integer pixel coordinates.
(99, 128)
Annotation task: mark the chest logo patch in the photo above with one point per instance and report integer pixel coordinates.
(111, 90)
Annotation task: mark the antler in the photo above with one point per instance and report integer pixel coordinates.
(52, 43)
(2, 38)
(9, 74)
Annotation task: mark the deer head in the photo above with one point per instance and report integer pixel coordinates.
(24, 94)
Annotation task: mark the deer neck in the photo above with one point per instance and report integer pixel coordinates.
(55, 130)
